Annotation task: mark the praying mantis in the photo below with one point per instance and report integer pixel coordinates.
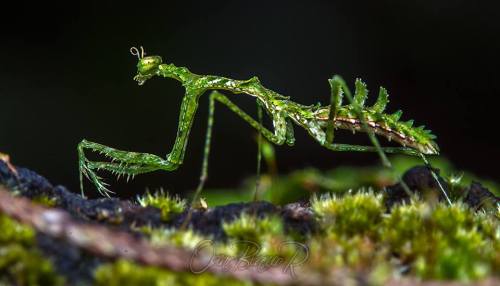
(320, 122)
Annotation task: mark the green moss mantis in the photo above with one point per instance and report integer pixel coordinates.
(320, 122)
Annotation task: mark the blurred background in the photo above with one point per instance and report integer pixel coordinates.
(66, 74)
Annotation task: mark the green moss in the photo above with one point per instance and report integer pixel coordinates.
(125, 273)
(402, 227)
(20, 262)
(441, 242)
(432, 241)
(355, 254)
(180, 238)
(349, 234)
(349, 215)
(248, 227)
(167, 204)
(261, 238)
(45, 200)
(13, 232)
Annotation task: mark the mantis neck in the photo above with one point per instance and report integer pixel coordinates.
(181, 74)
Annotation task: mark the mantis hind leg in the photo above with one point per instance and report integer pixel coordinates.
(122, 163)
(335, 102)
(281, 134)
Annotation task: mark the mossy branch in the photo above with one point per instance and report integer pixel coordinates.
(118, 244)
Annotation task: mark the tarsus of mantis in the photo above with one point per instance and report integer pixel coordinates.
(319, 121)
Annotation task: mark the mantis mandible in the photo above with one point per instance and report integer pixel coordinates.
(320, 122)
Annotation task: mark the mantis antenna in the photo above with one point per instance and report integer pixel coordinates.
(135, 52)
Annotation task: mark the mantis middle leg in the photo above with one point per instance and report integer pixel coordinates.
(278, 137)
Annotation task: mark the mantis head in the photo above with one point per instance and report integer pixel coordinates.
(147, 67)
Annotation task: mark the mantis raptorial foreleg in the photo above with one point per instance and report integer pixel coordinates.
(133, 163)
(122, 163)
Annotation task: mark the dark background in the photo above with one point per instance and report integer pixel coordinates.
(66, 74)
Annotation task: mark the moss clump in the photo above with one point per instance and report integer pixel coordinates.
(20, 262)
(430, 241)
(262, 239)
(442, 242)
(167, 204)
(251, 228)
(166, 236)
(353, 214)
(355, 254)
(349, 234)
(13, 232)
(125, 273)
(45, 201)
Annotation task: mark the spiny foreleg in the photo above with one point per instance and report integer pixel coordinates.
(125, 163)
(122, 163)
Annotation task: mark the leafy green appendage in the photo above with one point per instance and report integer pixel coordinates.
(375, 114)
